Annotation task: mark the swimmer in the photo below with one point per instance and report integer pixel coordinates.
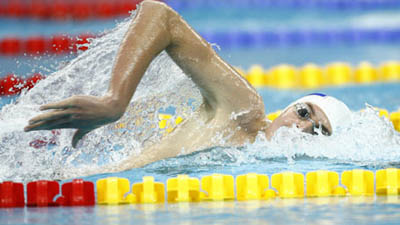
(232, 109)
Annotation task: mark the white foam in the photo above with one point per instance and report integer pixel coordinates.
(369, 140)
(163, 85)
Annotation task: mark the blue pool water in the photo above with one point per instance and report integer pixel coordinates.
(289, 211)
(348, 210)
(369, 143)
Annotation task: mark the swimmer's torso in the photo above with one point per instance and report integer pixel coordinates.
(203, 130)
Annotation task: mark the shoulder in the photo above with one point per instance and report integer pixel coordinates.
(250, 120)
(247, 114)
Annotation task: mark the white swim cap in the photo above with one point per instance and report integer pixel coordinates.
(335, 110)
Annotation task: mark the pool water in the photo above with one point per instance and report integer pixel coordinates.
(289, 211)
(369, 143)
(346, 210)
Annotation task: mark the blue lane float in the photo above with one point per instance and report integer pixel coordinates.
(228, 39)
(295, 4)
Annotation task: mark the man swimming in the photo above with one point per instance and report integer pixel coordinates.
(232, 109)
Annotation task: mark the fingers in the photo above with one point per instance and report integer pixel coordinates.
(50, 124)
(64, 104)
(47, 120)
(49, 116)
(79, 135)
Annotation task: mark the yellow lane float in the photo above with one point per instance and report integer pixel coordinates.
(323, 183)
(390, 71)
(274, 115)
(383, 112)
(149, 191)
(312, 76)
(395, 118)
(366, 73)
(183, 189)
(256, 76)
(288, 184)
(388, 181)
(358, 182)
(283, 76)
(112, 191)
(338, 73)
(253, 186)
(217, 187)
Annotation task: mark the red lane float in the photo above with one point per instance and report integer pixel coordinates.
(10, 85)
(105, 9)
(39, 9)
(77, 193)
(66, 10)
(31, 81)
(41, 193)
(15, 8)
(10, 46)
(37, 45)
(81, 10)
(60, 44)
(60, 10)
(11, 195)
(81, 42)
(13, 85)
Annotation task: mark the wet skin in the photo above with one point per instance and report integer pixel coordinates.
(290, 118)
(232, 109)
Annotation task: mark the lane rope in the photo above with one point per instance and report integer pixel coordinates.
(215, 187)
(336, 5)
(283, 76)
(103, 9)
(266, 38)
(64, 44)
(312, 76)
(39, 45)
(67, 9)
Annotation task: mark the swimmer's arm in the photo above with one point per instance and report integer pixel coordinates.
(156, 28)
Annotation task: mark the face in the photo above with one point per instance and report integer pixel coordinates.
(305, 116)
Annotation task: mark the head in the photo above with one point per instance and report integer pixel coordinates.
(311, 113)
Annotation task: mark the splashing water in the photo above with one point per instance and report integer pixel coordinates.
(369, 139)
(163, 84)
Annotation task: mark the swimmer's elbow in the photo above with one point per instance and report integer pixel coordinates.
(153, 3)
(159, 7)
(159, 12)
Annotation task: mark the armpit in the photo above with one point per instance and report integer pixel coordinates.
(250, 120)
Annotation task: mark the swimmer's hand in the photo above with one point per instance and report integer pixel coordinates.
(85, 113)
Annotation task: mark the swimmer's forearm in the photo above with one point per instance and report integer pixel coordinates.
(146, 37)
(156, 28)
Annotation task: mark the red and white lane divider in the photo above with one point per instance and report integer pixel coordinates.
(67, 9)
(13, 85)
(38, 45)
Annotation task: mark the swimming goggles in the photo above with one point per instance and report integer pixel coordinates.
(303, 111)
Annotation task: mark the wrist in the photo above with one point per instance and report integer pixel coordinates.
(117, 107)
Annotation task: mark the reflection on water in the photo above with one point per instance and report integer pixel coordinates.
(369, 142)
(335, 210)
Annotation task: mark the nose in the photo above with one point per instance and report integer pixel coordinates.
(305, 126)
